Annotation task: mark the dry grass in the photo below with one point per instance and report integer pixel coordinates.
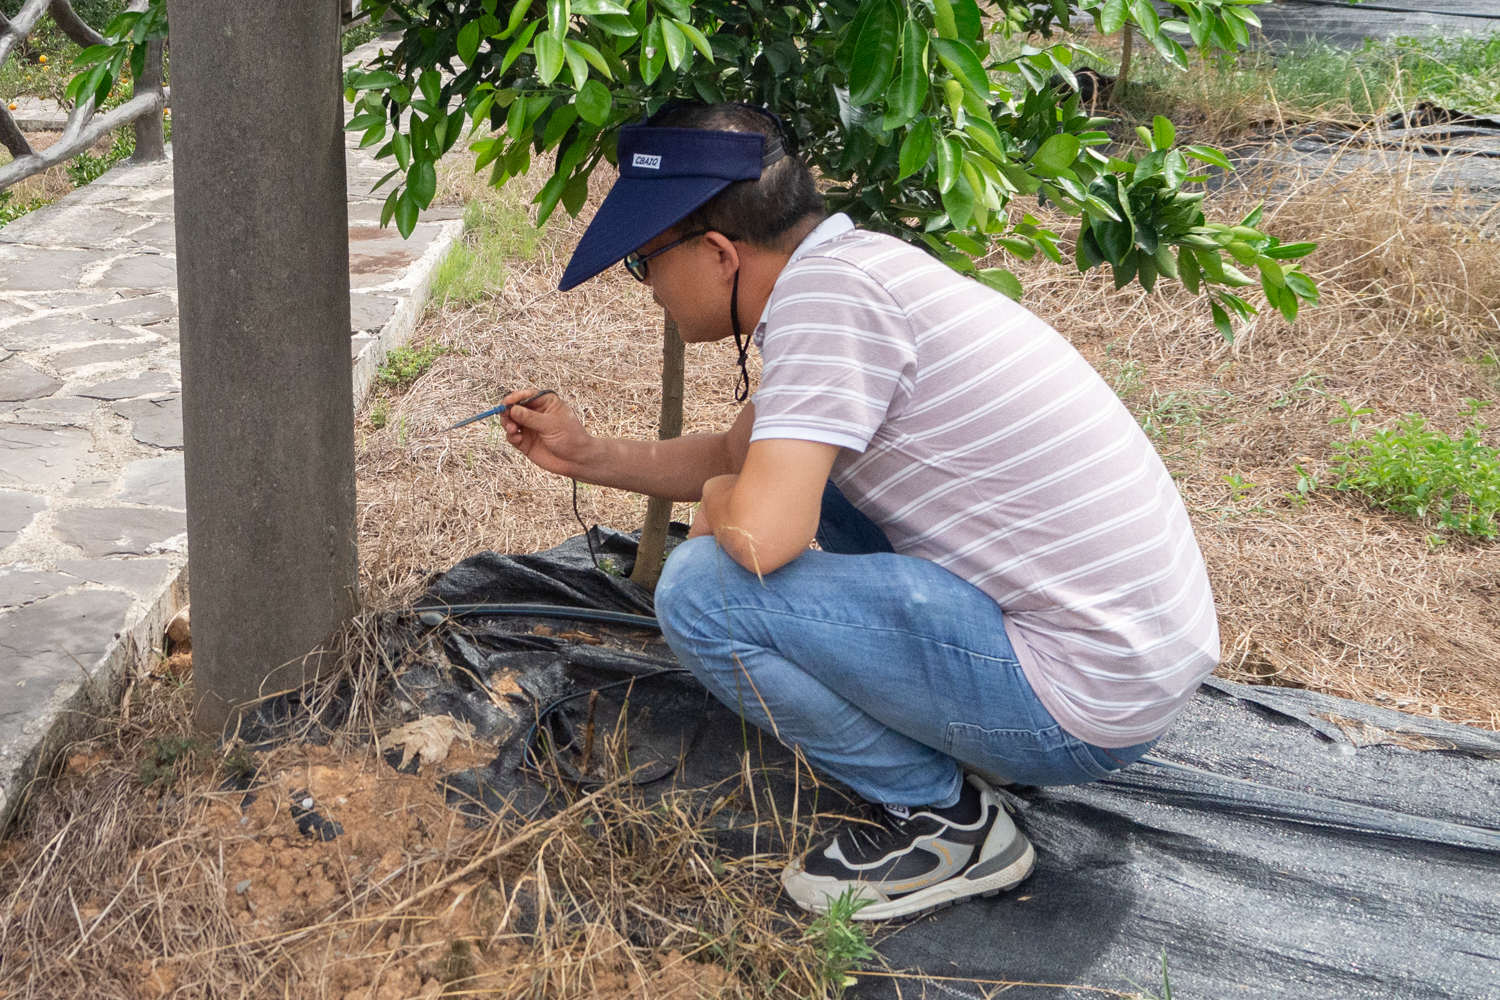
(189, 889)
(1332, 594)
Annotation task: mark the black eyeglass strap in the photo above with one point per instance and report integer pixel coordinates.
(741, 384)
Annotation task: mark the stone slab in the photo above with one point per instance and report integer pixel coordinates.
(142, 310)
(92, 488)
(112, 352)
(85, 227)
(32, 456)
(118, 531)
(155, 481)
(52, 331)
(11, 310)
(369, 312)
(47, 648)
(22, 586)
(17, 510)
(19, 382)
(65, 411)
(35, 269)
(141, 577)
(144, 384)
(155, 421)
(141, 271)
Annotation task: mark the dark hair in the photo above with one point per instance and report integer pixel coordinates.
(762, 211)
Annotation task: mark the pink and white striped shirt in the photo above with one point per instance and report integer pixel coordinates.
(979, 439)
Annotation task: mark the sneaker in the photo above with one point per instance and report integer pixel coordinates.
(916, 860)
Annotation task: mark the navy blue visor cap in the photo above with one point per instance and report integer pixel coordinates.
(665, 174)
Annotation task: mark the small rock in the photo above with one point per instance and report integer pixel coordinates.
(240, 887)
(307, 803)
(179, 629)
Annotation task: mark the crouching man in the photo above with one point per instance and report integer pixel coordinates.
(1006, 582)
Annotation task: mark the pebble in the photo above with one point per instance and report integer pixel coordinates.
(240, 887)
(307, 803)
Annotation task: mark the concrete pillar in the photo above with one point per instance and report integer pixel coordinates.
(263, 288)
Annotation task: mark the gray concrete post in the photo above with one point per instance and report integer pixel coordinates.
(263, 289)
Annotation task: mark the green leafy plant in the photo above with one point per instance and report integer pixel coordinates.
(405, 365)
(839, 943)
(380, 414)
(495, 230)
(896, 104)
(12, 208)
(1423, 472)
(125, 38)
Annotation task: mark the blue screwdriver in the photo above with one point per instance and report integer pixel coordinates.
(497, 410)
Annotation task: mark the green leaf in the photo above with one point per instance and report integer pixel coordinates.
(966, 19)
(421, 182)
(389, 208)
(944, 20)
(1057, 153)
(1164, 132)
(576, 62)
(675, 40)
(963, 64)
(557, 18)
(519, 45)
(843, 56)
(377, 80)
(1209, 155)
(593, 102)
(1146, 16)
(966, 243)
(575, 193)
(546, 199)
(468, 42)
(1290, 251)
(959, 202)
(401, 146)
(406, 214)
(593, 8)
(916, 148)
(915, 80)
(1112, 17)
(1002, 281)
(549, 58)
(361, 122)
(1221, 322)
(949, 156)
(698, 38)
(875, 55)
(653, 52)
(1187, 269)
(517, 15)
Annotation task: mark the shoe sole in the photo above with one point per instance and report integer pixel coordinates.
(944, 894)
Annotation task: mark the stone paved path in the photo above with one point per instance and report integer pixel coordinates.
(93, 548)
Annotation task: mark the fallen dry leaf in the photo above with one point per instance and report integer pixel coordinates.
(429, 738)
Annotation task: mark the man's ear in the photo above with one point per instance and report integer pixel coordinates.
(726, 256)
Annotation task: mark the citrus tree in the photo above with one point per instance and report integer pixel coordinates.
(899, 103)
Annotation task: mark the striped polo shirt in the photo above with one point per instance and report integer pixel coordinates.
(979, 439)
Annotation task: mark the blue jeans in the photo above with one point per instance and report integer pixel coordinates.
(887, 671)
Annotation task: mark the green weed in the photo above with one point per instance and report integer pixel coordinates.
(359, 34)
(11, 209)
(1423, 472)
(165, 756)
(839, 942)
(1166, 983)
(405, 365)
(1173, 420)
(497, 228)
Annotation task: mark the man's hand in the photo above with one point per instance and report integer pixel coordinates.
(548, 433)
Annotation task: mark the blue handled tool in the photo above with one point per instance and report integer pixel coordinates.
(497, 410)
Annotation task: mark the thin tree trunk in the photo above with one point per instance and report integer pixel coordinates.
(150, 143)
(651, 553)
(1123, 80)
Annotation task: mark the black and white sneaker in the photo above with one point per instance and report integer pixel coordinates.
(918, 859)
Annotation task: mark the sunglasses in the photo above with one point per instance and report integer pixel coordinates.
(636, 264)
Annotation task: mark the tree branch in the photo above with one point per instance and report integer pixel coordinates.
(11, 136)
(17, 30)
(79, 136)
(73, 26)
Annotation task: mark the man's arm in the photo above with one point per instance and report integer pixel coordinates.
(768, 514)
(551, 435)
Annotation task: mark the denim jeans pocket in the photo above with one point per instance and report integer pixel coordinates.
(1023, 756)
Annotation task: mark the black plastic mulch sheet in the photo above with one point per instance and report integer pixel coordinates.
(1279, 843)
